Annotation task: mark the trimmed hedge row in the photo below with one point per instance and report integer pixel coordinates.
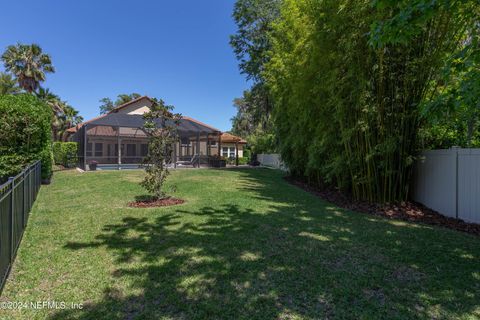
(25, 134)
(65, 153)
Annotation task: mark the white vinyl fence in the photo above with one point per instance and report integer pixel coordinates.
(272, 160)
(448, 181)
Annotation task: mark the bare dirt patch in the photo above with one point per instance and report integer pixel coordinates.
(149, 202)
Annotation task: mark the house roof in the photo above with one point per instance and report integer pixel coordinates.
(113, 118)
(126, 104)
(185, 126)
(200, 123)
(230, 138)
(78, 126)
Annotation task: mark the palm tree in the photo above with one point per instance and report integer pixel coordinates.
(64, 116)
(8, 85)
(51, 99)
(28, 64)
(69, 118)
(57, 105)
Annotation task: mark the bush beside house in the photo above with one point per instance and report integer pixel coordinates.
(65, 153)
(25, 134)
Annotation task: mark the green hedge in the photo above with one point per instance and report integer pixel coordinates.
(241, 160)
(65, 153)
(247, 154)
(25, 134)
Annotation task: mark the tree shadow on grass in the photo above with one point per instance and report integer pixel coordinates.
(300, 257)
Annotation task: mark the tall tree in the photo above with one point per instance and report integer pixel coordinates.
(8, 85)
(348, 78)
(64, 116)
(69, 118)
(452, 115)
(29, 65)
(108, 105)
(51, 99)
(251, 45)
(124, 98)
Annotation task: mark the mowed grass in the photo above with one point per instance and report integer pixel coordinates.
(246, 244)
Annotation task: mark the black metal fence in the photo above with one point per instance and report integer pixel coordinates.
(17, 196)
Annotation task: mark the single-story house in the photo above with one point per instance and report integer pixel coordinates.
(98, 139)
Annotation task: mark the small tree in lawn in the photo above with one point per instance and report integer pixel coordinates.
(161, 128)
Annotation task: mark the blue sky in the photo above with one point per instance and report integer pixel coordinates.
(174, 50)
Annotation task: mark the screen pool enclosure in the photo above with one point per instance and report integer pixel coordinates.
(117, 141)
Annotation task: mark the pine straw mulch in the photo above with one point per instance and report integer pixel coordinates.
(146, 202)
(406, 211)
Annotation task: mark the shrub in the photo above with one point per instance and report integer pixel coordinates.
(246, 153)
(10, 165)
(25, 134)
(243, 160)
(65, 153)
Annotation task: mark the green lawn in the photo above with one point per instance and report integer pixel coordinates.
(246, 244)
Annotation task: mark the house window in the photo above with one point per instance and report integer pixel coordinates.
(89, 149)
(131, 150)
(228, 152)
(144, 150)
(98, 149)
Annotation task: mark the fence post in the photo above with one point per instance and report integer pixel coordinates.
(12, 208)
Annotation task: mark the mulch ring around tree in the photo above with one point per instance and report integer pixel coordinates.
(406, 211)
(151, 202)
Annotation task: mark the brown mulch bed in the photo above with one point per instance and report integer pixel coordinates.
(406, 211)
(151, 203)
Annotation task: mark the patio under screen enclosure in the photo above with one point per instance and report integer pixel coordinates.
(117, 140)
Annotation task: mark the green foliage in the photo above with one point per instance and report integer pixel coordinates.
(253, 111)
(233, 161)
(161, 128)
(108, 105)
(251, 44)
(242, 160)
(28, 63)
(348, 78)
(262, 142)
(246, 153)
(452, 115)
(25, 134)
(8, 84)
(10, 165)
(64, 116)
(65, 153)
